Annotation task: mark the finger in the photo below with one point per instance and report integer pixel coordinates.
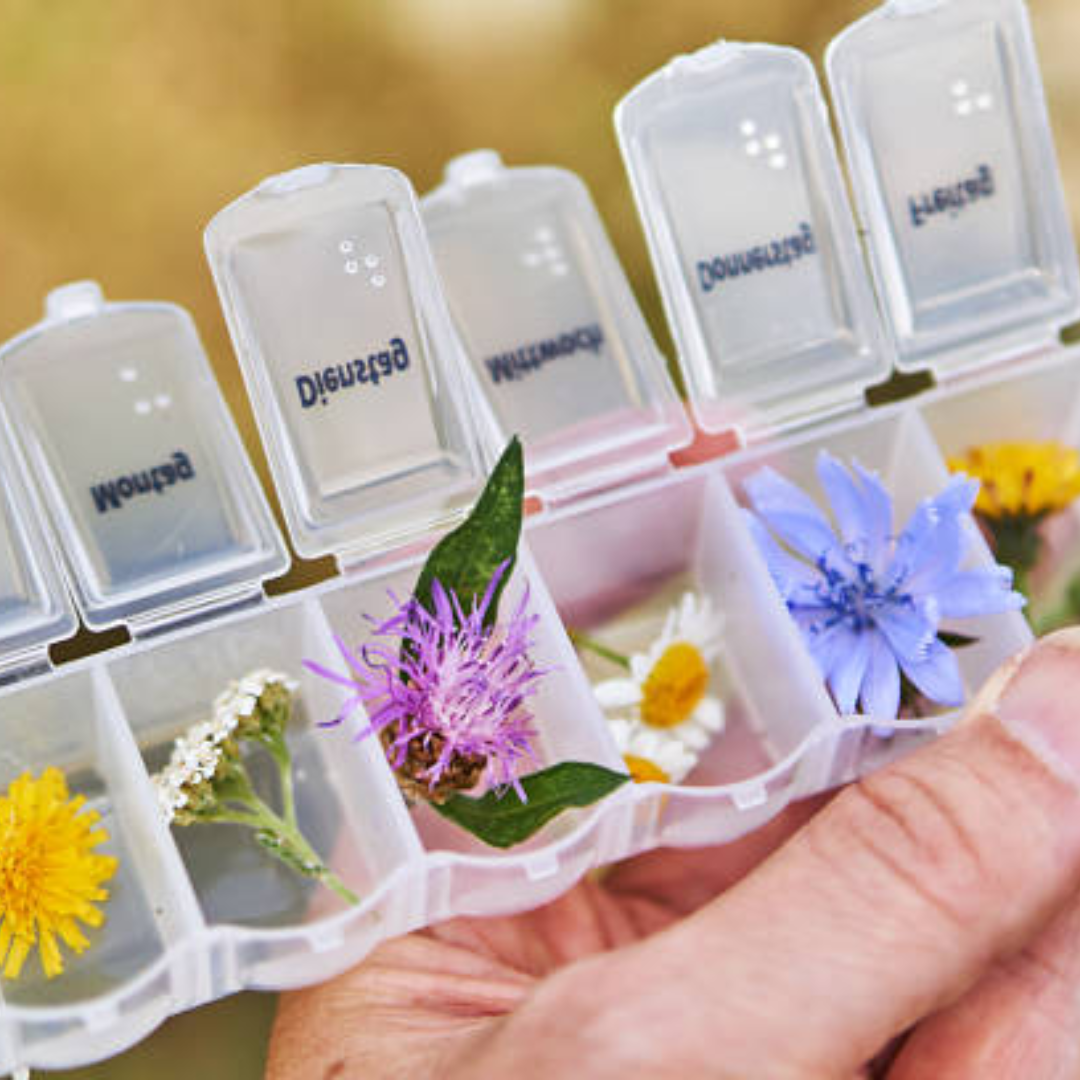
(395, 1016)
(416, 999)
(1020, 1022)
(886, 907)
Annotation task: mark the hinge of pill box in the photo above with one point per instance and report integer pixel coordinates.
(816, 409)
(1035, 350)
(197, 611)
(603, 480)
(27, 664)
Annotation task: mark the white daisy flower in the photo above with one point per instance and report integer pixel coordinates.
(661, 713)
(651, 754)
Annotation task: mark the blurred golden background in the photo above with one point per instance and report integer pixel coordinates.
(124, 126)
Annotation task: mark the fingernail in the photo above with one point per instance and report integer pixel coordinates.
(1040, 700)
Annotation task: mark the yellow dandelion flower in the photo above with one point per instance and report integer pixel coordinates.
(1022, 479)
(50, 877)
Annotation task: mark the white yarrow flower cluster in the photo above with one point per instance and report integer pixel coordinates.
(238, 700)
(676, 748)
(196, 754)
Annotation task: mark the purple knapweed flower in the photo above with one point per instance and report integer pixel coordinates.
(446, 693)
(870, 603)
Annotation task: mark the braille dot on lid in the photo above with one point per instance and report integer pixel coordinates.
(544, 234)
(984, 101)
(560, 269)
(959, 88)
(778, 161)
(371, 261)
(128, 374)
(530, 258)
(964, 108)
(352, 267)
(378, 280)
(753, 148)
(346, 246)
(143, 407)
(748, 127)
(772, 141)
(162, 401)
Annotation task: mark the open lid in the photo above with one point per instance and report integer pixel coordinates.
(355, 371)
(153, 502)
(34, 607)
(952, 162)
(561, 351)
(736, 179)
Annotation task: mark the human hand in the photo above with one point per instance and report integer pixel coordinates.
(937, 897)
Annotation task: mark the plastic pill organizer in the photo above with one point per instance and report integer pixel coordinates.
(382, 402)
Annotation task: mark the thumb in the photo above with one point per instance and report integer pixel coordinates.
(886, 907)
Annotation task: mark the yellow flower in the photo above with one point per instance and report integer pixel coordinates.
(643, 771)
(674, 687)
(49, 874)
(1022, 479)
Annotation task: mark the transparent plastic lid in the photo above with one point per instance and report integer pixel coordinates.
(153, 502)
(34, 607)
(354, 368)
(737, 182)
(560, 349)
(952, 162)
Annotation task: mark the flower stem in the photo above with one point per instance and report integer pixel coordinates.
(288, 793)
(1065, 613)
(284, 840)
(1018, 544)
(590, 644)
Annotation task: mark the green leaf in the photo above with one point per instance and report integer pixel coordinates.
(504, 822)
(465, 560)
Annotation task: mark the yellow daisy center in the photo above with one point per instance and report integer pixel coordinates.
(675, 686)
(643, 771)
(1022, 479)
(50, 877)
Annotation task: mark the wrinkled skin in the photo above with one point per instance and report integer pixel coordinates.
(936, 900)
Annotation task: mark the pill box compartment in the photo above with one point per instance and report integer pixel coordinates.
(616, 565)
(72, 723)
(568, 726)
(344, 802)
(126, 976)
(896, 444)
(1039, 402)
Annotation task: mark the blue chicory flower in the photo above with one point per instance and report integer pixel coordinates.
(447, 686)
(870, 603)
